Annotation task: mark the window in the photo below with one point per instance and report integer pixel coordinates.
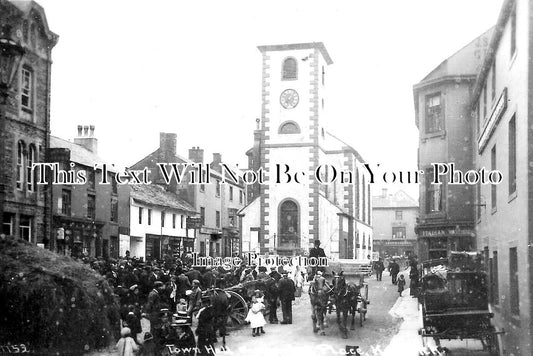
(25, 230)
(290, 69)
(30, 176)
(512, 155)
(434, 194)
(173, 221)
(232, 216)
(513, 281)
(434, 119)
(217, 188)
(493, 82)
(289, 128)
(91, 206)
(513, 32)
(202, 216)
(494, 284)
(182, 221)
(114, 186)
(8, 223)
(399, 215)
(231, 193)
(485, 102)
(289, 224)
(479, 203)
(66, 202)
(140, 215)
(493, 190)
(114, 209)
(217, 218)
(241, 194)
(20, 164)
(364, 199)
(26, 95)
(91, 178)
(162, 219)
(398, 232)
(149, 216)
(323, 76)
(369, 200)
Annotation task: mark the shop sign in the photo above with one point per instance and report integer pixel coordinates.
(445, 232)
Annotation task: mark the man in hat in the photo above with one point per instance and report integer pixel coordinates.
(316, 252)
(206, 329)
(286, 289)
(185, 343)
(208, 278)
(195, 298)
(164, 334)
(155, 303)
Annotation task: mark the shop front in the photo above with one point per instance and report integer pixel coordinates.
(161, 246)
(395, 247)
(437, 242)
(78, 238)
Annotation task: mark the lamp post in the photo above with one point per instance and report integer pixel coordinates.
(11, 53)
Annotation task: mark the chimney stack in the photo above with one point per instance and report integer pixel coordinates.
(167, 147)
(196, 154)
(85, 139)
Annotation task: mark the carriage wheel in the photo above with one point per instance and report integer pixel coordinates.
(237, 309)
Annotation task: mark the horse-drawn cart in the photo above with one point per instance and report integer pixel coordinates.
(453, 302)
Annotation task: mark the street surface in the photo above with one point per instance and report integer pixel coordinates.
(298, 338)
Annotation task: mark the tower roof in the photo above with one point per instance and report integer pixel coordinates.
(284, 47)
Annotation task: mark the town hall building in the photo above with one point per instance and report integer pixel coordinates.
(285, 217)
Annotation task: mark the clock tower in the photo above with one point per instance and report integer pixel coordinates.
(293, 90)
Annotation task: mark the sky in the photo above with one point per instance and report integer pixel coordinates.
(137, 68)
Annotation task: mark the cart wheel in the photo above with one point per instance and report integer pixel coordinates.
(237, 309)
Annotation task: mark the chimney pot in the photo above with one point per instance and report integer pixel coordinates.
(85, 130)
(80, 130)
(91, 129)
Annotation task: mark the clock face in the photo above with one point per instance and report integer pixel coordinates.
(289, 98)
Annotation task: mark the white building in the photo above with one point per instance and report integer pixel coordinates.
(156, 222)
(286, 217)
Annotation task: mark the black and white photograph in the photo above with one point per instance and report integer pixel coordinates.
(266, 178)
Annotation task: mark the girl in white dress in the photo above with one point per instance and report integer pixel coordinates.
(255, 314)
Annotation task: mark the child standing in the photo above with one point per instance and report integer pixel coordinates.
(255, 314)
(401, 284)
(126, 345)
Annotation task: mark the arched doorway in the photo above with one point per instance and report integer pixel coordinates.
(288, 227)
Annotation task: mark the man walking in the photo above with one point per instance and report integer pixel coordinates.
(394, 269)
(286, 295)
(379, 267)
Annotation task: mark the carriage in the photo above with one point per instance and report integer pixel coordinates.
(239, 300)
(454, 304)
(347, 294)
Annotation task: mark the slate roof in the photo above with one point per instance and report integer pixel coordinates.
(79, 154)
(153, 194)
(400, 199)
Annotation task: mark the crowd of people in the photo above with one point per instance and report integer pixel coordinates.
(159, 299)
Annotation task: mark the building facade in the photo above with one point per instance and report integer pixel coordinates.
(503, 141)
(292, 207)
(85, 216)
(25, 125)
(442, 113)
(216, 203)
(153, 222)
(394, 217)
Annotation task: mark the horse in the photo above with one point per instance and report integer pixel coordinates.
(319, 293)
(219, 300)
(347, 301)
